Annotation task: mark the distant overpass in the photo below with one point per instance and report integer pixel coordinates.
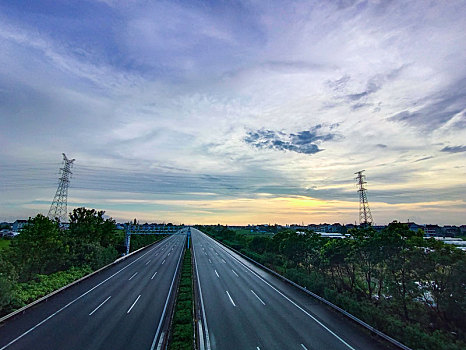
(148, 229)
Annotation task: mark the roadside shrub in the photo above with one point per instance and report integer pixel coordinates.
(41, 285)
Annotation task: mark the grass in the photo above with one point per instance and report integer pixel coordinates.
(4, 243)
(182, 327)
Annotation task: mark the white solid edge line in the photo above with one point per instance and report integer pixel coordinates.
(71, 302)
(98, 307)
(303, 347)
(217, 273)
(202, 302)
(283, 295)
(229, 296)
(166, 303)
(153, 275)
(159, 346)
(129, 310)
(132, 276)
(257, 297)
(201, 336)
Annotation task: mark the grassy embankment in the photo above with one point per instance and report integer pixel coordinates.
(182, 327)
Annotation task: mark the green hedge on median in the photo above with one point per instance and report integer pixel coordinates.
(182, 327)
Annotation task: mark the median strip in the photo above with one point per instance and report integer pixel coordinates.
(182, 330)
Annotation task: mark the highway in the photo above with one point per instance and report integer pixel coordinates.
(119, 308)
(246, 308)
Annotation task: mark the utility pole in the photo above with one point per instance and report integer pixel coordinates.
(365, 216)
(58, 209)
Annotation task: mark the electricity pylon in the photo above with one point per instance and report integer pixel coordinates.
(58, 209)
(365, 216)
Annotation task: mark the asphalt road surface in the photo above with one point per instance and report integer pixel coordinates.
(250, 309)
(119, 308)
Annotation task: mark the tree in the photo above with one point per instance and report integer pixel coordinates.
(92, 238)
(89, 225)
(367, 254)
(335, 257)
(294, 247)
(258, 244)
(444, 284)
(39, 249)
(404, 261)
(8, 278)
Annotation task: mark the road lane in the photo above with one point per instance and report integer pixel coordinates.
(117, 309)
(248, 308)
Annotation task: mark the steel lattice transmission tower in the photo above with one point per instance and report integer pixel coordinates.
(365, 216)
(58, 209)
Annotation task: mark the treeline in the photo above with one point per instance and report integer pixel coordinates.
(45, 257)
(413, 289)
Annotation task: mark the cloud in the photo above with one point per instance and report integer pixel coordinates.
(422, 159)
(437, 109)
(339, 84)
(454, 149)
(375, 83)
(357, 106)
(165, 100)
(305, 142)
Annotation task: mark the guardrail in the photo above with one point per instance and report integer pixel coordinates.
(333, 306)
(46, 297)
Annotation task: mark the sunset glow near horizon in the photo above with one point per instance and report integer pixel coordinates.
(235, 112)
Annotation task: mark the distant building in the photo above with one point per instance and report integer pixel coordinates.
(5, 224)
(335, 228)
(415, 227)
(432, 231)
(18, 225)
(450, 231)
(462, 230)
(8, 234)
(3, 232)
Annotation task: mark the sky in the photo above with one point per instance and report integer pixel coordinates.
(235, 112)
